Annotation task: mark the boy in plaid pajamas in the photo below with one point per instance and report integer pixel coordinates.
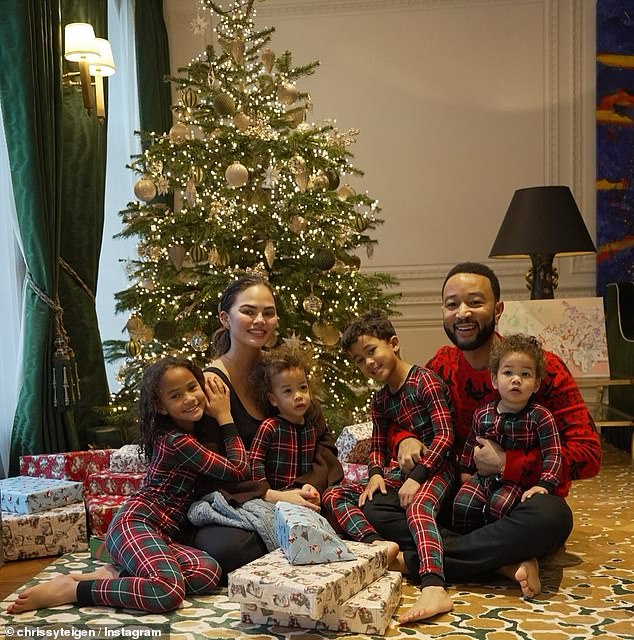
(417, 400)
(154, 573)
(515, 422)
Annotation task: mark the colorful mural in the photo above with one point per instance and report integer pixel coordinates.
(615, 142)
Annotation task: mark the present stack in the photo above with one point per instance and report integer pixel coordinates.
(353, 450)
(355, 595)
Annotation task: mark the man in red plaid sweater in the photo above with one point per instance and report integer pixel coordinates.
(536, 527)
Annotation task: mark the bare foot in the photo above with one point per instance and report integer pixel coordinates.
(59, 590)
(391, 547)
(398, 564)
(432, 601)
(107, 572)
(526, 574)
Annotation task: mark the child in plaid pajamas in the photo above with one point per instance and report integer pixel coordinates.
(153, 572)
(284, 450)
(516, 421)
(416, 399)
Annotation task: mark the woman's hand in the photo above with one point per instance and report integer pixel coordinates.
(294, 496)
(313, 494)
(218, 404)
(375, 483)
(529, 493)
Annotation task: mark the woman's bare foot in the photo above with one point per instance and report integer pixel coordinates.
(399, 564)
(392, 549)
(526, 574)
(106, 572)
(59, 590)
(432, 601)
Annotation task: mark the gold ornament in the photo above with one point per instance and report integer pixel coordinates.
(267, 55)
(345, 191)
(154, 252)
(224, 104)
(237, 50)
(298, 164)
(190, 192)
(361, 223)
(269, 253)
(354, 262)
(224, 259)
(304, 127)
(133, 348)
(296, 117)
(176, 254)
(241, 121)
(329, 334)
(333, 179)
(287, 93)
(298, 224)
(312, 304)
(237, 175)
(189, 98)
(198, 254)
(146, 334)
(317, 326)
(145, 190)
(197, 175)
(259, 197)
(301, 180)
(178, 133)
(318, 182)
(134, 324)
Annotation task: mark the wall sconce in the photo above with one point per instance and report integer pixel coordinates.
(541, 222)
(94, 57)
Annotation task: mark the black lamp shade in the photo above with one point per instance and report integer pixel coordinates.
(542, 220)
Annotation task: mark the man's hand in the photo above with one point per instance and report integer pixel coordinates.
(410, 452)
(407, 492)
(489, 457)
(376, 482)
(311, 494)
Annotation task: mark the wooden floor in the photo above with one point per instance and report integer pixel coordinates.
(14, 574)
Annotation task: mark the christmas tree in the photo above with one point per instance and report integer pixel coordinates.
(243, 182)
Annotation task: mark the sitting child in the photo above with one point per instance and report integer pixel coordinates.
(516, 421)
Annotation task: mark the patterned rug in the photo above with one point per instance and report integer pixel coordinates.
(588, 590)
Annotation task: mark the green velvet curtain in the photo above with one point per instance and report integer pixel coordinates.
(59, 202)
(153, 64)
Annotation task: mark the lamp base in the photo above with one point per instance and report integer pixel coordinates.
(542, 278)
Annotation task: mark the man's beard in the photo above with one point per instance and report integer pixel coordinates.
(474, 343)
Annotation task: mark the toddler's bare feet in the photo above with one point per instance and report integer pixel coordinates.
(106, 572)
(392, 549)
(432, 601)
(526, 574)
(59, 590)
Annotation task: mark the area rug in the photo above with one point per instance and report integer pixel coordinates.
(588, 590)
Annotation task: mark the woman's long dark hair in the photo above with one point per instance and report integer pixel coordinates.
(151, 422)
(221, 337)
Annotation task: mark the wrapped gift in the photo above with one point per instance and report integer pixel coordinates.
(101, 511)
(354, 472)
(126, 459)
(23, 494)
(353, 443)
(368, 611)
(1, 543)
(48, 533)
(113, 483)
(306, 537)
(98, 549)
(309, 590)
(72, 465)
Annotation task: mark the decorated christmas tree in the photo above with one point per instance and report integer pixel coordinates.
(244, 182)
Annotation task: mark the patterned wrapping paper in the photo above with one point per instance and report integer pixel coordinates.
(47, 533)
(309, 590)
(113, 483)
(26, 495)
(126, 459)
(368, 611)
(72, 465)
(101, 511)
(354, 472)
(353, 443)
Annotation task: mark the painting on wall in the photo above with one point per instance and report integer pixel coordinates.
(615, 142)
(573, 328)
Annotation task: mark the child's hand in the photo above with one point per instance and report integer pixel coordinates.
(529, 493)
(374, 483)
(407, 492)
(410, 451)
(218, 404)
(311, 494)
(464, 477)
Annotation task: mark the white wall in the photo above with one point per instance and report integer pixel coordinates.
(459, 103)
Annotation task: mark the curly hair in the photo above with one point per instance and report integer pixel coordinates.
(269, 365)
(221, 338)
(518, 343)
(478, 269)
(151, 422)
(371, 323)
